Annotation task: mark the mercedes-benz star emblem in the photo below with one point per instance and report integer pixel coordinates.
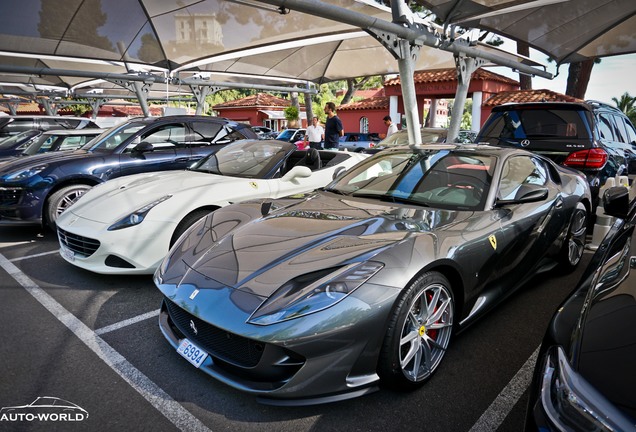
(194, 328)
(525, 143)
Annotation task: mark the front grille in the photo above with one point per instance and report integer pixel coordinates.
(80, 245)
(227, 346)
(10, 196)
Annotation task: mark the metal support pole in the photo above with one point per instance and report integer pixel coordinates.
(200, 93)
(48, 107)
(406, 65)
(465, 68)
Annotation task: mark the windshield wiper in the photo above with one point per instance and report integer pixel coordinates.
(336, 191)
(403, 200)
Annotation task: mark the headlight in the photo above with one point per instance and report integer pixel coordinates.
(136, 217)
(314, 292)
(571, 403)
(24, 174)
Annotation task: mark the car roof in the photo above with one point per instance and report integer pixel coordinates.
(84, 131)
(542, 105)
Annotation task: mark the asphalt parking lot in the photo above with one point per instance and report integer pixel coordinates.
(93, 340)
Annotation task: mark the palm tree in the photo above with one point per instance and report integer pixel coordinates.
(627, 104)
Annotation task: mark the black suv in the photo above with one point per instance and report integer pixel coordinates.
(593, 137)
(38, 188)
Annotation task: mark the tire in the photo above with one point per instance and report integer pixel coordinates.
(187, 222)
(61, 200)
(574, 244)
(416, 340)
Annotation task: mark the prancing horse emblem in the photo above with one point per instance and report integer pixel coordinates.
(194, 328)
(493, 241)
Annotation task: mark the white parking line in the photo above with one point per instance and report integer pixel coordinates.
(34, 255)
(159, 399)
(127, 322)
(499, 409)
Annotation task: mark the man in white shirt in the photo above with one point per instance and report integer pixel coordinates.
(392, 127)
(315, 134)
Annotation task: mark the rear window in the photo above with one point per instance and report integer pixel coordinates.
(533, 124)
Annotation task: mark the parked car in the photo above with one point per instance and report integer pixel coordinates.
(37, 189)
(585, 136)
(58, 140)
(315, 297)
(291, 135)
(430, 135)
(264, 132)
(584, 378)
(357, 142)
(11, 125)
(14, 145)
(127, 225)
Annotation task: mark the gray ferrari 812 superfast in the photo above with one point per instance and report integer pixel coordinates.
(322, 296)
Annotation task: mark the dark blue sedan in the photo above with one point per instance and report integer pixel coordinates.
(39, 188)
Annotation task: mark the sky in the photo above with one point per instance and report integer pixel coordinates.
(610, 78)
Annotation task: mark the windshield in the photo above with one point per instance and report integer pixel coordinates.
(546, 123)
(18, 141)
(247, 159)
(402, 137)
(438, 178)
(51, 142)
(286, 135)
(112, 138)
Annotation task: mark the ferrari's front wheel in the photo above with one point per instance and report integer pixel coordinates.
(186, 223)
(574, 245)
(419, 332)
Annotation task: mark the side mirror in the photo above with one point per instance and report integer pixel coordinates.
(296, 172)
(616, 202)
(338, 171)
(527, 193)
(143, 147)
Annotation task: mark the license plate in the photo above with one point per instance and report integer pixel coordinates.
(67, 253)
(192, 353)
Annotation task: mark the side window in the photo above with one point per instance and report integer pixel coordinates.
(628, 130)
(619, 130)
(46, 145)
(166, 137)
(73, 142)
(631, 132)
(206, 133)
(520, 170)
(605, 128)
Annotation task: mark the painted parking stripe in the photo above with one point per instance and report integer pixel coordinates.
(34, 255)
(127, 322)
(499, 409)
(159, 399)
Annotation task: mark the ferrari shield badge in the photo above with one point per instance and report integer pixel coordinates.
(254, 185)
(493, 241)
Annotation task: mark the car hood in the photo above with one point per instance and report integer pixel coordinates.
(119, 197)
(255, 247)
(23, 163)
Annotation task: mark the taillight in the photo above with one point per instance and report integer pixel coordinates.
(371, 145)
(594, 158)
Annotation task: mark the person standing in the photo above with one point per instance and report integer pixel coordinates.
(333, 127)
(392, 127)
(315, 134)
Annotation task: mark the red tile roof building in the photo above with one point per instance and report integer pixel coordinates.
(261, 109)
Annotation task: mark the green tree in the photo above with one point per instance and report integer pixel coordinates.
(627, 104)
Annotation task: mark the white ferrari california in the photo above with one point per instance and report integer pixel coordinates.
(127, 225)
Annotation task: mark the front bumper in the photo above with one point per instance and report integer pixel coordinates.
(323, 357)
(135, 250)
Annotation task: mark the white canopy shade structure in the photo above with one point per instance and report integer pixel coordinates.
(566, 30)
